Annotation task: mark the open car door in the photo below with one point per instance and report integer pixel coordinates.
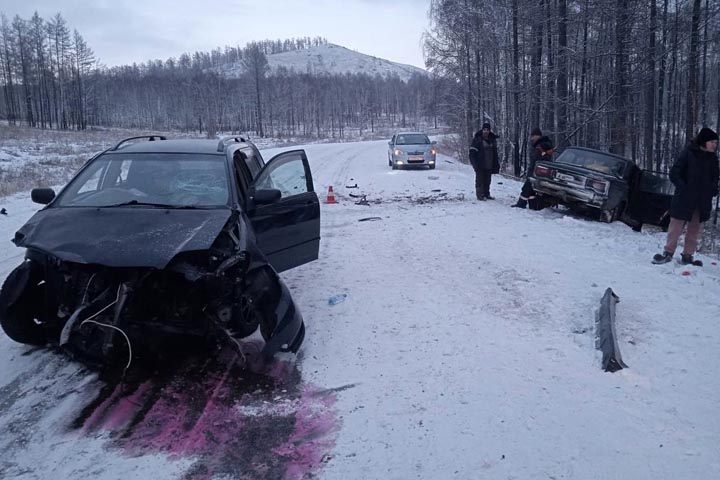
(285, 211)
(651, 197)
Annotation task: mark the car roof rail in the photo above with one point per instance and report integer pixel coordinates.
(151, 138)
(225, 140)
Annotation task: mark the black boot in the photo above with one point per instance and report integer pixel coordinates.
(521, 203)
(661, 258)
(535, 203)
(687, 259)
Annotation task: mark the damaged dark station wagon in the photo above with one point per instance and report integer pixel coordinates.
(156, 239)
(612, 186)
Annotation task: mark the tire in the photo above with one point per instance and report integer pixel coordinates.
(432, 167)
(19, 309)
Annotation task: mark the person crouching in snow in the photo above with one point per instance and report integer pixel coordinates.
(542, 149)
(695, 176)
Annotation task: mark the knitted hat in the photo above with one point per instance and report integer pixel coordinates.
(486, 125)
(705, 135)
(536, 131)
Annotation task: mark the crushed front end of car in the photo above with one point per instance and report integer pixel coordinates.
(108, 291)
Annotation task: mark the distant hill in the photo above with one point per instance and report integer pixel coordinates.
(329, 59)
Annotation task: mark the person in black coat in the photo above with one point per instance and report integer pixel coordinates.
(695, 176)
(484, 160)
(542, 149)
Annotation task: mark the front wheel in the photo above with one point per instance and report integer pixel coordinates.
(21, 300)
(432, 167)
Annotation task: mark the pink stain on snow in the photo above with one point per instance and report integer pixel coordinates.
(307, 447)
(203, 414)
(127, 407)
(117, 409)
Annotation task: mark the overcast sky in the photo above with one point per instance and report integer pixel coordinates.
(126, 31)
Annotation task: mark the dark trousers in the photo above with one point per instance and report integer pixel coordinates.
(483, 178)
(529, 196)
(527, 191)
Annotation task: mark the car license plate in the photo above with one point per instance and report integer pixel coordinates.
(562, 176)
(416, 159)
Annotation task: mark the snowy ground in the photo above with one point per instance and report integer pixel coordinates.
(464, 349)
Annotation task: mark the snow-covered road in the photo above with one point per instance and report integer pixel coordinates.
(464, 349)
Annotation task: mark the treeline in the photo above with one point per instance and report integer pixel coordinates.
(44, 71)
(50, 79)
(284, 104)
(218, 57)
(636, 77)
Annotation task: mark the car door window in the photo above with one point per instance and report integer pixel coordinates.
(287, 172)
(251, 162)
(242, 172)
(658, 183)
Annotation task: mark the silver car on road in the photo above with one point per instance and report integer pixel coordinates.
(411, 149)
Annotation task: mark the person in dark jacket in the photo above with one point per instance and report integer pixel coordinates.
(695, 176)
(484, 160)
(542, 149)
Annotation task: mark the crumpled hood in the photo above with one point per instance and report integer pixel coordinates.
(120, 236)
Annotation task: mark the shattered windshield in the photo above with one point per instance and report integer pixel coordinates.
(594, 161)
(162, 179)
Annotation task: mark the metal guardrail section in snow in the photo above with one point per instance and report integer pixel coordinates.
(605, 336)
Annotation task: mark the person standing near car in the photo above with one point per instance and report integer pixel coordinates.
(542, 149)
(484, 160)
(695, 176)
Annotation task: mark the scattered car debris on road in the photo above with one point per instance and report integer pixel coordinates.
(606, 336)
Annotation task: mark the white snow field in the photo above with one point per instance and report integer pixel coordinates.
(464, 349)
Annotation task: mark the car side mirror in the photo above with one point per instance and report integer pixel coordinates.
(434, 142)
(43, 196)
(266, 196)
(390, 144)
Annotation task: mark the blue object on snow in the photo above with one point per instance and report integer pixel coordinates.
(335, 299)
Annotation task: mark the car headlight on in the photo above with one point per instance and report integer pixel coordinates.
(433, 151)
(398, 152)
